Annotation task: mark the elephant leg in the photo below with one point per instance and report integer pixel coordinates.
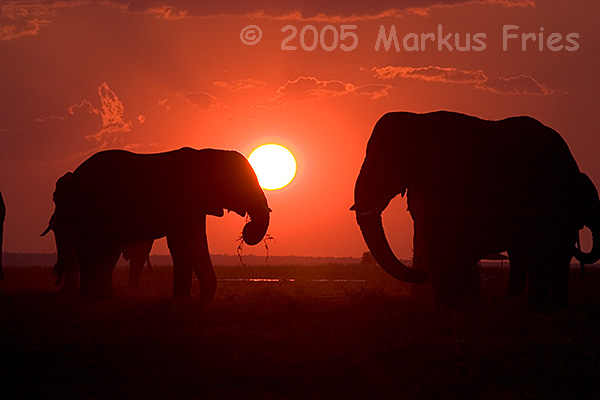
(533, 259)
(136, 265)
(549, 261)
(539, 284)
(189, 251)
(559, 280)
(1, 239)
(517, 278)
(137, 254)
(206, 273)
(453, 268)
(96, 269)
(560, 270)
(87, 275)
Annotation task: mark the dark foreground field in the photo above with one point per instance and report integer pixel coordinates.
(293, 339)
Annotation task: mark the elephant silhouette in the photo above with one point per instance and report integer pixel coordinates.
(116, 198)
(138, 255)
(477, 187)
(2, 216)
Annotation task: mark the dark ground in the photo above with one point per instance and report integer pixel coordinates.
(300, 339)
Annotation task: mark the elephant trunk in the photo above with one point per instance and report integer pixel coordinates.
(67, 264)
(371, 227)
(590, 209)
(255, 229)
(594, 255)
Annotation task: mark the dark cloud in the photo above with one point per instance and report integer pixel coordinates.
(308, 9)
(26, 18)
(431, 73)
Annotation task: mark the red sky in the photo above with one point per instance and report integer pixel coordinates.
(82, 76)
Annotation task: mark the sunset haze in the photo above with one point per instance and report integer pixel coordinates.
(78, 77)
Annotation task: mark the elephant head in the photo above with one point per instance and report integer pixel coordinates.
(66, 264)
(2, 215)
(376, 185)
(372, 196)
(237, 189)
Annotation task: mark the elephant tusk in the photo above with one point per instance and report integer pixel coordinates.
(375, 211)
(46, 231)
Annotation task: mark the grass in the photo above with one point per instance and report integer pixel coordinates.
(302, 339)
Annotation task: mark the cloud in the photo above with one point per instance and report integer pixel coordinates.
(54, 138)
(332, 11)
(521, 85)
(111, 111)
(168, 13)
(374, 91)
(202, 101)
(18, 19)
(309, 87)
(82, 130)
(242, 85)
(431, 74)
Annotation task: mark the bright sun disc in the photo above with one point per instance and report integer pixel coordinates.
(274, 166)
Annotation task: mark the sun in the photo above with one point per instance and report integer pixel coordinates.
(274, 165)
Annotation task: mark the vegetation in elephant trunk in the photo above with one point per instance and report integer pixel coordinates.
(255, 229)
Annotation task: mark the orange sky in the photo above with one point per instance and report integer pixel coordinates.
(81, 76)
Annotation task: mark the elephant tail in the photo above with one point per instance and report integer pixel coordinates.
(590, 217)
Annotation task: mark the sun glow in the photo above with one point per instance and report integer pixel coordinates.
(274, 165)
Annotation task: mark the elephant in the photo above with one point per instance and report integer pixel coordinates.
(138, 255)
(2, 216)
(116, 198)
(476, 187)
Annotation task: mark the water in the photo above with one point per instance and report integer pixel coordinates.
(289, 280)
